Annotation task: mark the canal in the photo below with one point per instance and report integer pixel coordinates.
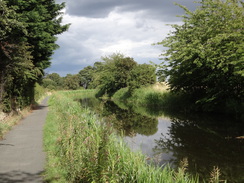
(167, 137)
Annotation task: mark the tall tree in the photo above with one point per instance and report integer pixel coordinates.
(43, 22)
(27, 41)
(206, 53)
(16, 67)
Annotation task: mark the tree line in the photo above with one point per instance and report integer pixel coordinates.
(204, 59)
(28, 32)
(108, 76)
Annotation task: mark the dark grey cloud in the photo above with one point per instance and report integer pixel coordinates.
(160, 9)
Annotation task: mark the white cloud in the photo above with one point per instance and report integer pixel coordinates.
(128, 32)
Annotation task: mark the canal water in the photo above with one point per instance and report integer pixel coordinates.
(165, 137)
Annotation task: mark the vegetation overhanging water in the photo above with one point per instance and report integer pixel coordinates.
(206, 140)
(80, 148)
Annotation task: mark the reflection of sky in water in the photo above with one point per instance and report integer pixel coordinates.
(206, 141)
(146, 144)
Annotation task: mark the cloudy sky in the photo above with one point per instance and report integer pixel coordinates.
(103, 27)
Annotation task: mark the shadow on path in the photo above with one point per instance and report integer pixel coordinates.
(6, 144)
(22, 157)
(18, 176)
(39, 107)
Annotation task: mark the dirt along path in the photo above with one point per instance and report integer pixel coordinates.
(22, 157)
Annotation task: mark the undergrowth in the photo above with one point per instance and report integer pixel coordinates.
(8, 120)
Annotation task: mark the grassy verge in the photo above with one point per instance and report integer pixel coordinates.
(8, 120)
(82, 149)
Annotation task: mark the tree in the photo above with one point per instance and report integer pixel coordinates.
(43, 22)
(97, 69)
(205, 57)
(27, 41)
(115, 73)
(17, 68)
(141, 75)
(71, 82)
(86, 76)
(50, 84)
(53, 81)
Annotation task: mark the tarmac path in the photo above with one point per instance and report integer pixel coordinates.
(22, 157)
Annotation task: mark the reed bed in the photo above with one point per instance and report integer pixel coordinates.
(81, 148)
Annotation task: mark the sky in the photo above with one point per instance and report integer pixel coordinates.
(102, 27)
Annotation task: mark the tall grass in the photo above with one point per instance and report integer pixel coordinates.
(151, 98)
(80, 148)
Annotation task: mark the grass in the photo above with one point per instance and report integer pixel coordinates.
(80, 148)
(153, 100)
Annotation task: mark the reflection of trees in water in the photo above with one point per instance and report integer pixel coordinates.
(131, 123)
(207, 143)
(205, 140)
(126, 120)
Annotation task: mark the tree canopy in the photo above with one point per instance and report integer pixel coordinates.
(205, 56)
(117, 71)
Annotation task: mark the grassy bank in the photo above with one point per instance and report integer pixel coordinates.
(151, 98)
(80, 148)
(169, 102)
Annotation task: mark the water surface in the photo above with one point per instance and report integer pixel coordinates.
(205, 140)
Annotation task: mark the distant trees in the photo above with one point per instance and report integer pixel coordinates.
(71, 82)
(27, 41)
(118, 71)
(86, 75)
(53, 81)
(113, 73)
(205, 58)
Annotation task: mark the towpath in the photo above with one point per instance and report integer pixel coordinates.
(22, 157)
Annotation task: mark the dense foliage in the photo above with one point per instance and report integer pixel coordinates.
(118, 71)
(86, 76)
(115, 73)
(27, 41)
(205, 57)
(141, 75)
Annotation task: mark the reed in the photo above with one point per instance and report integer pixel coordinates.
(81, 148)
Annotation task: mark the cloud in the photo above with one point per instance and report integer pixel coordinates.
(102, 27)
(161, 9)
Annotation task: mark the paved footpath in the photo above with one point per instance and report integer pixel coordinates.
(22, 157)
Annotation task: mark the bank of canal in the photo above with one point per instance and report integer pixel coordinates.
(206, 141)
